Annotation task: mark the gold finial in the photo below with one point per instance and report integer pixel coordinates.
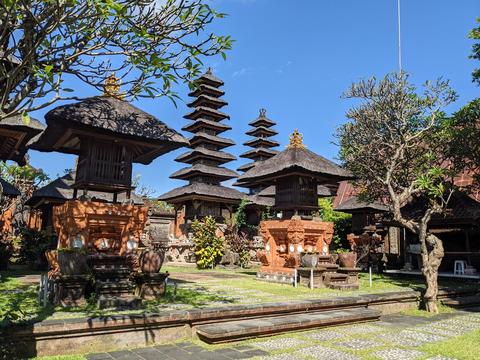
(263, 112)
(112, 86)
(296, 140)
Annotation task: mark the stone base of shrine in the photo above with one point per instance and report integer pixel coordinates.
(276, 275)
(69, 290)
(151, 286)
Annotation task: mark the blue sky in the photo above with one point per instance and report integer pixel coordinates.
(295, 58)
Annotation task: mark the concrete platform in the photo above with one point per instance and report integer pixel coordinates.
(244, 329)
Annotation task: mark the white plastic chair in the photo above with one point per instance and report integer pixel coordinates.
(459, 267)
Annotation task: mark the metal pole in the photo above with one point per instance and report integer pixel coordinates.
(295, 277)
(399, 38)
(311, 279)
(370, 275)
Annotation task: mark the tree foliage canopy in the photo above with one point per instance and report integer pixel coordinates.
(149, 44)
(396, 141)
(475, 35)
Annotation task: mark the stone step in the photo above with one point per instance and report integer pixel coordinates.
(464, 301)
(119, 302)
(243, 329)
(343, 286)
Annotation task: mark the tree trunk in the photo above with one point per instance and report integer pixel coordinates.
(431, 262)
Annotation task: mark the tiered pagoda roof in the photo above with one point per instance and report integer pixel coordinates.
(206, 157)
(261, 143)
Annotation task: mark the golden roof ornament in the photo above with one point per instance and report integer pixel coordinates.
(296, 140)
(112, 87)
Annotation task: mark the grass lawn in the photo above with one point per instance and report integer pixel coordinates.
(464, 347)
(195, 288)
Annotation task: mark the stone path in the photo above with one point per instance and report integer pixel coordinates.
(396, 337)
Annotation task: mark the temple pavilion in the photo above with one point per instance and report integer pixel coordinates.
(15, 132)
(296, 174)
(204, 195)
(108, 135)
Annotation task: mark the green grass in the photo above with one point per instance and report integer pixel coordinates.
(61, 357)
(442, 309)
(463, 347)
(19, 302)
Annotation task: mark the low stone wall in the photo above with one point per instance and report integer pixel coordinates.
(77, 336)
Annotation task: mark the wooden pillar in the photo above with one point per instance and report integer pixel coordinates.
(467, 246)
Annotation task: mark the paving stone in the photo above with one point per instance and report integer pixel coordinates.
(283, 357)
(360, 329)
(423, 337)
(398, 354)
(439, 331)
(321, 352)
(325, 335)
(232, 353)
(99, 356)
(256, 352)
(124, 355)
(358, 344)
(277, 344)
(243, 347)
(399, 340)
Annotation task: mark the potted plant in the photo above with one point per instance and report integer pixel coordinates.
(309, 259)
(73, 261)
(346, 258)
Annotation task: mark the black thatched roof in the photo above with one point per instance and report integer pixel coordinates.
(201, 138)
(261, 200)
(353, 204)
(322, 191)
(258, 152)
(246, 167)
(201, 169)
(294, 159)
(60, 190)
(209, 79)
(8, 189)
(261, 131)
(14, 148)
(209, 124)
(209, 101)
(202, 153)
(262, 120)
(461, 210)
(203, 111)
(202, 190)
(207, 90)
(264, 142)
(111, 117)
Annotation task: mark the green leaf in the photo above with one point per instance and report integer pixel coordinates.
(25, 118)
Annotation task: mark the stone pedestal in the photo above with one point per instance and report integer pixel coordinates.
(352, 274)
(69, 290)
(150, 286)
(284, 241)
(312, 278)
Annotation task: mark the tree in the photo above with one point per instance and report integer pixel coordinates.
(208, 245)
(475, 35)
(396, 145)
(342, 222)
(26, 179)
(149, 44)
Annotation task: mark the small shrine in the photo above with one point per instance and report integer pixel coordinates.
(204, 195)
(296, 173)
(108, 135)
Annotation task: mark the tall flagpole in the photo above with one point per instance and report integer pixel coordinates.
(399, 38)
